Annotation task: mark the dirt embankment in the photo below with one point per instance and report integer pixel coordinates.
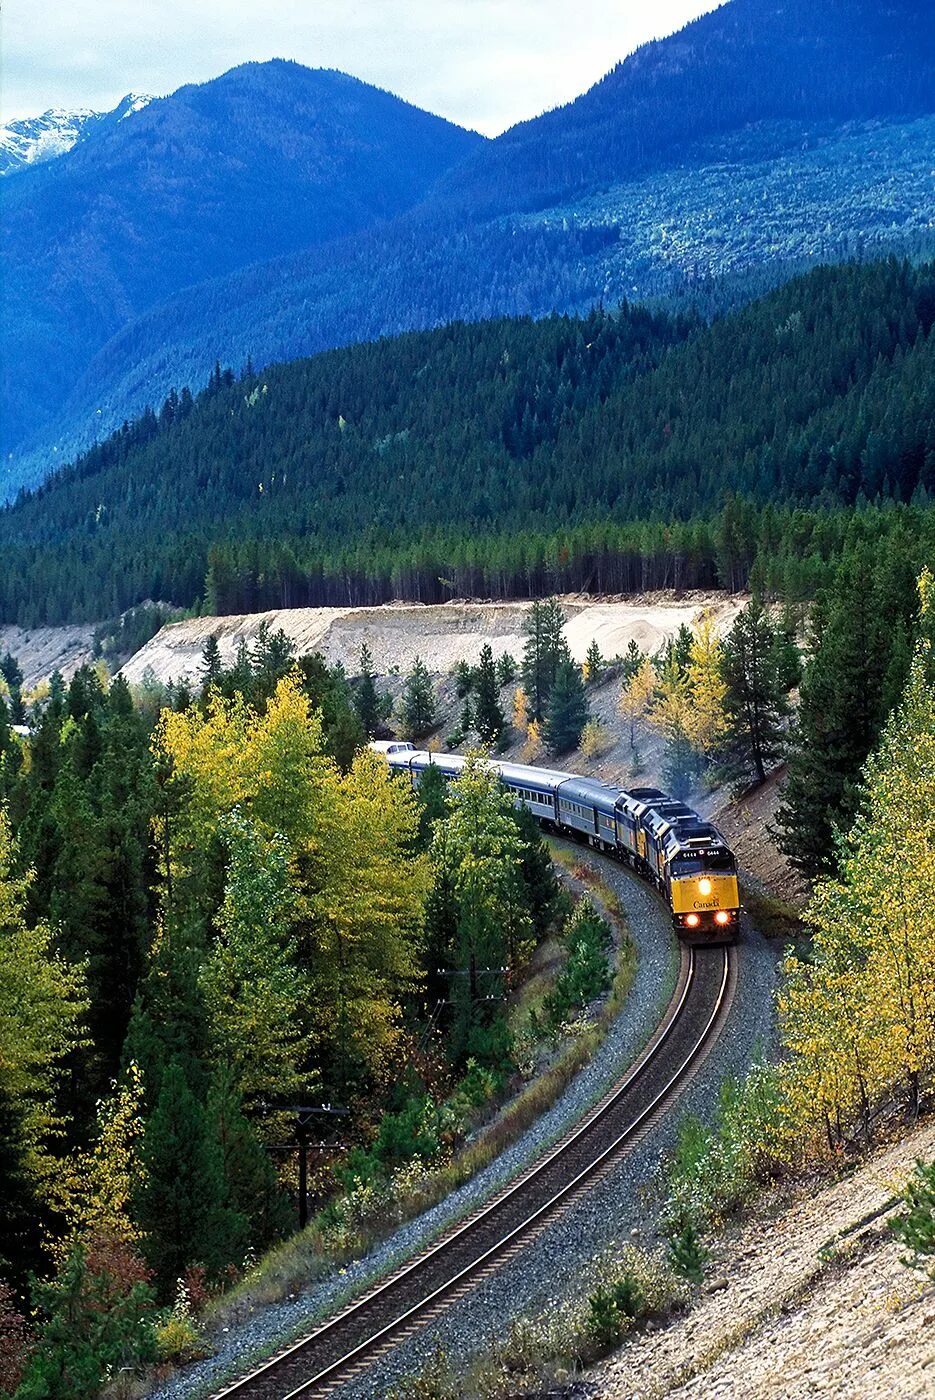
(41, 651)
(440, 634)
(809, 1298)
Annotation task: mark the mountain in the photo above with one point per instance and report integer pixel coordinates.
(34, 140)
(500, 458)
(267, 159)
(745, 64)
(765, 137)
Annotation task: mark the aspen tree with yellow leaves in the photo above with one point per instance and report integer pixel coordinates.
(328, 914)
(636, 697)
(859, 1019)
(43, 1001)
(705, 720)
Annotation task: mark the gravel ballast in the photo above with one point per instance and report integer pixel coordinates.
(544, 1271)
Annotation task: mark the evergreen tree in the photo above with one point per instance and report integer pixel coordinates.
(594, 664)
(253, 1190)
(856, 638)
(182, 1202)
(211, 662)
(754, 669)
(464, 679)
(567, 712)
(489, 719)
(681, 763)
(366, 701)
(632, 660)
(506, 669)
(417, 707)
(543, 653)
(433, 800)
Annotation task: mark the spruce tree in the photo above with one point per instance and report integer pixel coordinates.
(567, 712)
(858, 656)
(417, 707)
(182, 1202)
(366, 700)
(211, 662)
(594, 663)
(253, 1191)
(754, 666)
(489, 719)
(544, 652)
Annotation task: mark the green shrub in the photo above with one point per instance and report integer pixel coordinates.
(586, 974)
(687, 1255)
(716, 1169)
(915, 1225)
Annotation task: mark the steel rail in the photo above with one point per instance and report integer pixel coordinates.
(261, 1381)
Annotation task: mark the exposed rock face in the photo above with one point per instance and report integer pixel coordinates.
(442, 635)
(810, 1301)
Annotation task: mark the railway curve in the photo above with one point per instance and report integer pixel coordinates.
(345, 1345)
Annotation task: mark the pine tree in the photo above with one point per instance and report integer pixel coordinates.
(506, 669)
(417, 707)
(855, 638)
(211, 662)
(433, 799)
(753, 667)
(544, 652)
(366, 700)
(632, 660)
(567, 709)
(594, 664)
(182, 1198)
(253, 1191)
(489, 719)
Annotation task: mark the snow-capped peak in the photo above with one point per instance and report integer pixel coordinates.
(32, 140)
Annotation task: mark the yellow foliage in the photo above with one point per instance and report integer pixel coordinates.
(43, 1000)
(672, 704)
(636, 696)
(520, 710)
(96, 1186)
(595, 739)
(356, 893)
(705, 719)
(533, 743)
(858, 1021)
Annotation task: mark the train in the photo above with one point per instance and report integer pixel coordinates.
(661, 838)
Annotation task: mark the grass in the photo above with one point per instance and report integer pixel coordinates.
(315, 1253)
(775, 918)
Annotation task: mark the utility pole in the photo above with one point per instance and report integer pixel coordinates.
(305, 1117)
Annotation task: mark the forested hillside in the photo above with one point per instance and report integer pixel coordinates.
(620, 451)
(269, 158)
(760, 139)
(749, 61)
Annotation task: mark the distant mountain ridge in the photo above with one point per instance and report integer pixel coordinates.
(767, 132)
(263, 161)
(34, 140)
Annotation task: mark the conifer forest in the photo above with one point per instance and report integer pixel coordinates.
(467, 710)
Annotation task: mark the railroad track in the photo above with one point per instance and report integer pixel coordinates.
(345, 1345)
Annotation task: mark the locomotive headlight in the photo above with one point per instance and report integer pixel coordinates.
(692, 920)
(722, 917)
(705, 886)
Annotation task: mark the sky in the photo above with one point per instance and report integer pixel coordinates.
(483, 63)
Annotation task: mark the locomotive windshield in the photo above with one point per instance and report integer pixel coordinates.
(717, 861)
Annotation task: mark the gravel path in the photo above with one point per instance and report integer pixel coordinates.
(654, 981)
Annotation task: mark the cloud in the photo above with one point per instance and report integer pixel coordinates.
(484, 63)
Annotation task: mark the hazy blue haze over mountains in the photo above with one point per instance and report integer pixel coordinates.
(764, 131)
(267, 159)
